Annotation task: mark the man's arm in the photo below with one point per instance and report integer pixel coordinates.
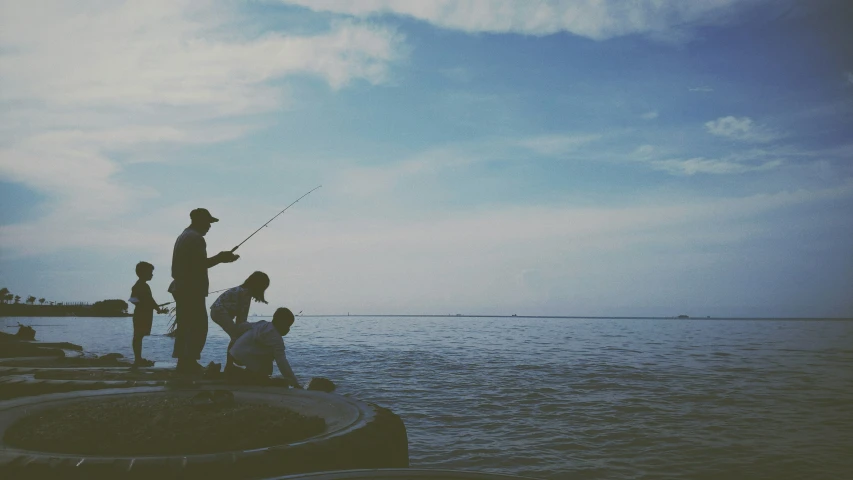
(277, 346)
(221, 257)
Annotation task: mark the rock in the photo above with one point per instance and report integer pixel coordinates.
(110, 357)
(25, 332)
(321, 384)
(27, 339)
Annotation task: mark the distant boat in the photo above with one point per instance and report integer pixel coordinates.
(514, 315)
(684, 316)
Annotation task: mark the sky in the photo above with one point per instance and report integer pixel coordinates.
(577, 157)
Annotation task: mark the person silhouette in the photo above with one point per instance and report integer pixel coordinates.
(143, 313)
(260, 344)
(189, 288)
(231, 310)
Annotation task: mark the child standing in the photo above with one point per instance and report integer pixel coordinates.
(231, 310)
(143, 313)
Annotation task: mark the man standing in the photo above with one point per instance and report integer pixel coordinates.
(189, 287)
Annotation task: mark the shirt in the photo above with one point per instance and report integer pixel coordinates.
(258, 347)
(145, 305)
(235, 301)
(189, 264)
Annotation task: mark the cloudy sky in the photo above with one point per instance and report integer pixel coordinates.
(574, 157)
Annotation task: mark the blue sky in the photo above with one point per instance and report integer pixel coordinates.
(557, 157)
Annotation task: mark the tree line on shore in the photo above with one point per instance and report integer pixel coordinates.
(8, 297)
(11, 305)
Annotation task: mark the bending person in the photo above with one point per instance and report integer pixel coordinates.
(262, 343)
(231, 310)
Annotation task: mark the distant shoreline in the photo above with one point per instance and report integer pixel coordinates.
(66, 311)
(71, 311)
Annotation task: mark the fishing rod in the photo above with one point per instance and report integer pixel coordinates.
(253, 234)
(273, 218)
(173, 324)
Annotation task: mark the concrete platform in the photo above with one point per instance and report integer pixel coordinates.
(357, 435)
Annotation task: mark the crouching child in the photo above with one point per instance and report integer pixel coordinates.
(261, 344)
(231, 310)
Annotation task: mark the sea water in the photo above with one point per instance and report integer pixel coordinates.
(573, 398)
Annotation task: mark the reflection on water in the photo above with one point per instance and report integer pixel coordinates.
(575, 398)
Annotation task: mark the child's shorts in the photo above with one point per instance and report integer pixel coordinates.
(226, 321)
(141, 327)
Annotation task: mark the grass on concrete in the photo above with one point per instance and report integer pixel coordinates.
(159, 425)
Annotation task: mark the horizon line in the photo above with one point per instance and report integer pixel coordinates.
(631, 317)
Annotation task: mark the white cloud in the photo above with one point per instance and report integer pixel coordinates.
(596, 19)
(693, 166)
(170, 53)
(557, 144)
(650, 115)
(474, 258)
(84, 81)
(457, 74)
(350, 255)
(644, 152)
(380, 179)
(743, 129)
(383, 178)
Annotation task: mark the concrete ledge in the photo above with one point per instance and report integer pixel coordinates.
(357, 435)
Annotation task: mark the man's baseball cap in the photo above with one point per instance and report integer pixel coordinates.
(202, 215)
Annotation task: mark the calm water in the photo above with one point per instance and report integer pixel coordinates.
(576, 398)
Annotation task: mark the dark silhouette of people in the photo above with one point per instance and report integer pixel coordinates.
(189, 288)
(231, 310)
(143, 313)
(262, 343)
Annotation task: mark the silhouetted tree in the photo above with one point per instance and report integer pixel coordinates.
(31, 300)
(4, 294)
(110, 307)
(41, 301)
(17, 298)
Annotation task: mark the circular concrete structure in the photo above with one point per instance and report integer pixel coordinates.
(357, 435)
